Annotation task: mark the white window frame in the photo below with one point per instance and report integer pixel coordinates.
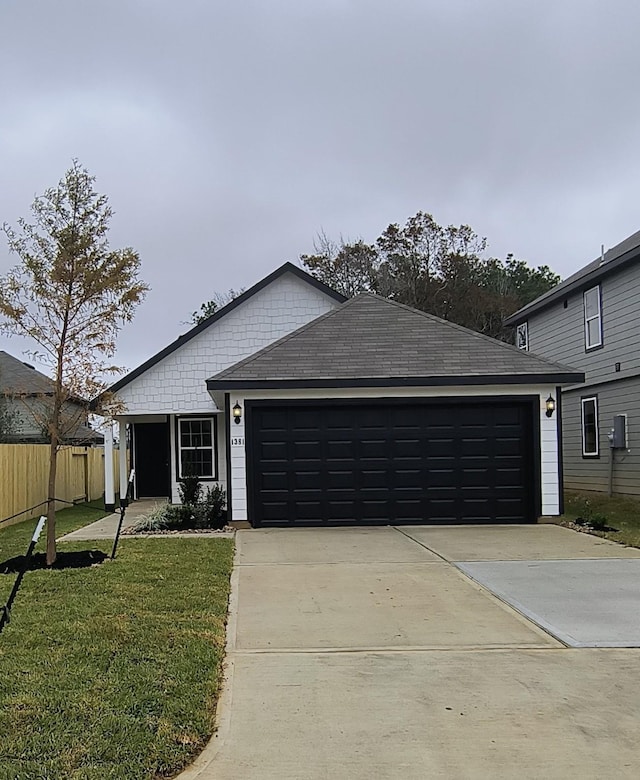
(180, 448)
(594, 318)
(583, 401)
(522, 336)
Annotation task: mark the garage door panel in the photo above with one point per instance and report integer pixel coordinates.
(339, 478)
(414, 462)
(509, 477)
(373, 479)
(274, 420)
(375, 509)
(307, 450)
(305, 420)
(374, 448)
(274, 480)
(275, 511)
(340, 449)
(272, 451)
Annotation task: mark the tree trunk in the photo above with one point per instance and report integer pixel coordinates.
(51, 501)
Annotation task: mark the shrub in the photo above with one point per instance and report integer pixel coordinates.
(180, 517)
(210, 511)
(588, 517)
(598, 522)
(190, 489)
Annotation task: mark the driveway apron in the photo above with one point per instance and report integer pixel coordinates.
(369, 653)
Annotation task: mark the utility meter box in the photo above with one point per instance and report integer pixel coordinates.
(619, 431)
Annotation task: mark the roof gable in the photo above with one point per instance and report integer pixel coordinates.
(373, 341)
(218, 315)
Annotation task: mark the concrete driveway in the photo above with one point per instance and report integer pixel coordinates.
(380, 653)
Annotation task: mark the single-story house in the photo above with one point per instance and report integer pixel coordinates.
(312, 409)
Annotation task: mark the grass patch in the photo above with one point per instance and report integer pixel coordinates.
(621, 513)
(112, 671)
(14, 539)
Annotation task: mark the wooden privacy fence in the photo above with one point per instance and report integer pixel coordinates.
(24, 476)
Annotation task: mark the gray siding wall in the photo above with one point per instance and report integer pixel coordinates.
(558, 333)
(593, 473)
(29, 415)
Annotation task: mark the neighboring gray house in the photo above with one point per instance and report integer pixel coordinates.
(312, 410)
(25, 402)
(589, 321)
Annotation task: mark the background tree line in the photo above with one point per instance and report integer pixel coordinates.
(440, 270)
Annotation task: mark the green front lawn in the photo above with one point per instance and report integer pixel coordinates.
(14, 539)
(622, 513)
(112, 671)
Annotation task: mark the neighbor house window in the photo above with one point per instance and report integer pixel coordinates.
(590, 445)
(592, 318)
(522, 336)
(196, 447)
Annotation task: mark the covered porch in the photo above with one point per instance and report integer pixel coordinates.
(162, 449)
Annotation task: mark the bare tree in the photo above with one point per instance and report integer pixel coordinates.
(70, 293)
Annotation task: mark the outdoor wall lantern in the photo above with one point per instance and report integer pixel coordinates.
(551, 405)
(237, 413)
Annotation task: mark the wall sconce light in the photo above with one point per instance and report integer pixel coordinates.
(237, 413)
(551, 405)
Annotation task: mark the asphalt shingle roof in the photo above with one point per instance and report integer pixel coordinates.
(373, 338)
(20, 378)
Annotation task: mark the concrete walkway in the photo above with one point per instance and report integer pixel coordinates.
(368, 653)
(106, 527)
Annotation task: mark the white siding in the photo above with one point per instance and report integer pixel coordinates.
(178, 383)
(548, 431)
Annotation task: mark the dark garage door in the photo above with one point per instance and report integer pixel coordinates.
(398, 462)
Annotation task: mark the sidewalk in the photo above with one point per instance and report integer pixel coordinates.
(106, 527)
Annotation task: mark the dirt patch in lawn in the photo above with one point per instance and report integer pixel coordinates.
(79, 559)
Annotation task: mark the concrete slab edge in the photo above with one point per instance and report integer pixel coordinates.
(561, 636)
(123, 537)
(222, 722)
(566, 639)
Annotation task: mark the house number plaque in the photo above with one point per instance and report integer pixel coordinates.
(237, 441)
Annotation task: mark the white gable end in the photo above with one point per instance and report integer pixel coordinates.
(178, 382)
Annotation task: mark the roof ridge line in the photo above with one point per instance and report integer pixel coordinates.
(462, 328)
(287, 267)
(287, 337)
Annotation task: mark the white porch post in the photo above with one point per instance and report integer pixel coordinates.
(109, 489)
(122, 457)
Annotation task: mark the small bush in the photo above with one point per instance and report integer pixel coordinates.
(180, 517)
(210, 512)
(190, 489)
(598, 522)
(587, 517)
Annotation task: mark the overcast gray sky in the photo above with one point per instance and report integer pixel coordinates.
(227, 134)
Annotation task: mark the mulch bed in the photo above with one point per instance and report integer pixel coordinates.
(174, 532)
(80, 559)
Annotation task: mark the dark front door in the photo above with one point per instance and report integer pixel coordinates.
(151, 459)
(391, 462)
